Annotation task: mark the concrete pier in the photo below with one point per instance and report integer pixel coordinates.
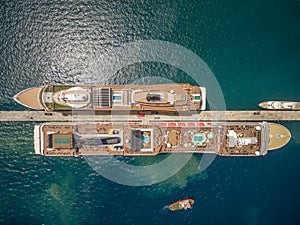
(41, 116)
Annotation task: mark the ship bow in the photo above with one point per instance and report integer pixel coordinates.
(30, 98)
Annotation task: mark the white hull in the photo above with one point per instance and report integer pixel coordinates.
(280, 105)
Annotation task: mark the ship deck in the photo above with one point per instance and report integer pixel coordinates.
(160, 97)
(243, 131)
(135, 139)
(279, 136)
(30, 98)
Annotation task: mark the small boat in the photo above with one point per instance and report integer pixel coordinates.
(182, 204)
(280, 105)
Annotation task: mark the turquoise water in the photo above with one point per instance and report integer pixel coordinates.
(253, 49)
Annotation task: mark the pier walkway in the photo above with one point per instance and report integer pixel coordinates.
(41, 116)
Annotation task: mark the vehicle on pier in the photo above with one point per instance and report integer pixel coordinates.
(157, 97)
(137, 139)
(280, 105)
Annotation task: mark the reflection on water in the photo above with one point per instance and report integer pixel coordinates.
(177, 183)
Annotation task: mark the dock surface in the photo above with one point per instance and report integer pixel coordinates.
(90, 116)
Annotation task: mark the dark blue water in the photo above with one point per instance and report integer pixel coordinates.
(253, 49)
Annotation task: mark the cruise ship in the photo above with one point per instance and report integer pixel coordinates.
(280, 105)
(158, 97)
(136, 139)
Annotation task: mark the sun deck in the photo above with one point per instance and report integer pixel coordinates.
(192, 139)
(245, 140)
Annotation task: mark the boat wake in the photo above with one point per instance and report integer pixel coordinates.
(165, 208)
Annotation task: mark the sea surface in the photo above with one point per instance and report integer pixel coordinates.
(251, 47)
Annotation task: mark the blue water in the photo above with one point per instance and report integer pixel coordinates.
(253, 49)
